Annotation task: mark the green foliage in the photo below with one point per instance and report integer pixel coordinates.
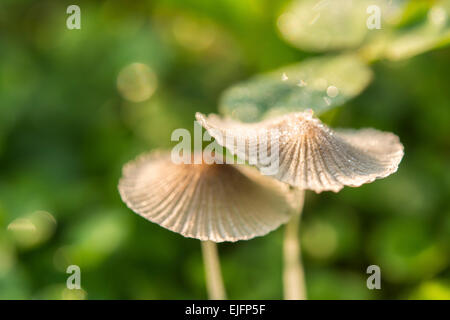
(66, 130)
(408, 29)
(430, 32)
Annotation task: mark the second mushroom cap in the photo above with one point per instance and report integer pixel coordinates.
(309, 154)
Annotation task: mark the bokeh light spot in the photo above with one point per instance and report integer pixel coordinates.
(193, 34)
(73, 294)
(33, 229)
(332, 91)
(437, 16)
(7, 257)
(320, 240)
(136, 82)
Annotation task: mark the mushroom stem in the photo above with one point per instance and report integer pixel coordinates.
(214, 282)
(293, 274)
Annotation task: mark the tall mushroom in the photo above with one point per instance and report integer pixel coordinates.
(309, 156)
(209, 201)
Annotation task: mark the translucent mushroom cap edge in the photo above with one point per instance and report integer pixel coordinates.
(216, 202)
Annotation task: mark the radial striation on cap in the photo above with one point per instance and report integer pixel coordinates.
(216, 202)
(309, 154)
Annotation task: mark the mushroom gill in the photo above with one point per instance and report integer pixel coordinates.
(309, 155)
(216, 202)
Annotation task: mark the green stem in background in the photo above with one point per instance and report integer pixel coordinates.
(214, 282)
(293, 274)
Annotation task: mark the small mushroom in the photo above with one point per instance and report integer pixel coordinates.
(216, 202)
(310, 155)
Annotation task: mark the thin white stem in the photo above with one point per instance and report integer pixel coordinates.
(293, 274)
(214, 282)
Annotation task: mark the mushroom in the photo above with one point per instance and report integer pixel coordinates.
(211, 202)
(310, 156)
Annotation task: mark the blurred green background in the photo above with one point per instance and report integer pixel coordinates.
(75, 105)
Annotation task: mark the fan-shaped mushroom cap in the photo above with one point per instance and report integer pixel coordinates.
(310, 155)
(216, 202)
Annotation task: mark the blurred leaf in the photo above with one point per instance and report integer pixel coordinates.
(97, 237)
(65, 132)
(318, 84)
(324, 25)
(330, 234)
(431, 32)
(14, 284)
(33, 229)
(8, 257)
(409, 29)
(144, 118)
(410, 254)
(60, 292)
(409, 12)
(432, 290)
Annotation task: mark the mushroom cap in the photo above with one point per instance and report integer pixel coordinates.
(310, 155)
(216, 202)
